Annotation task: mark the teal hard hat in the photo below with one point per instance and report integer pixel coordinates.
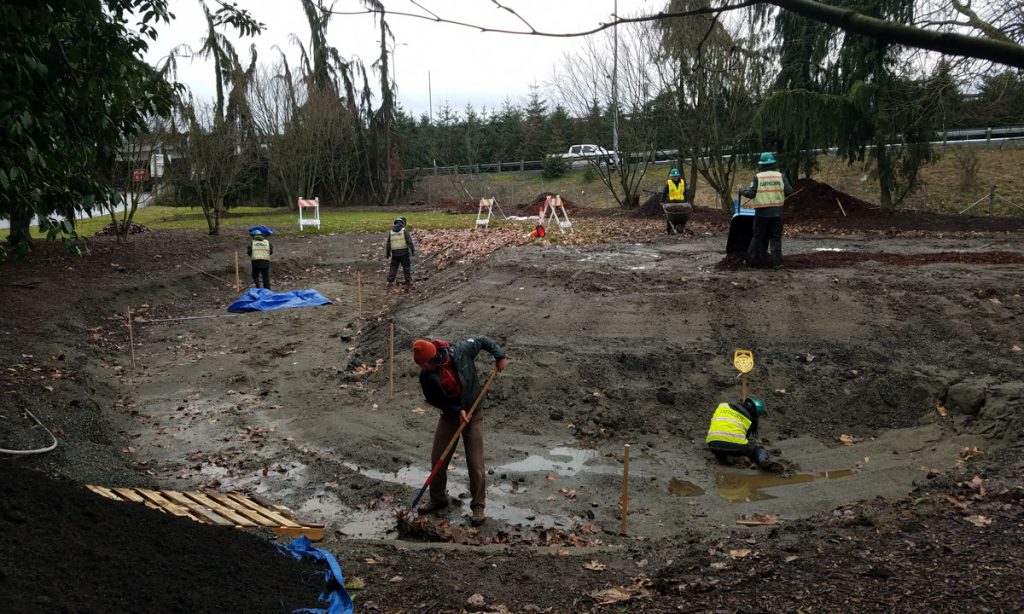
(767, 158)
(674, 172)
(257, 233)
(757, 404)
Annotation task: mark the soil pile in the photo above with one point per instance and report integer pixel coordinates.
(65, 549)
(813, 200)
(650, 208)
(110, 229)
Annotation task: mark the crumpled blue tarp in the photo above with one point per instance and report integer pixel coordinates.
(337, 598)
(262, 229)
(261, 299)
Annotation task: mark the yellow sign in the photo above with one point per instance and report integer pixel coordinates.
(743, 360)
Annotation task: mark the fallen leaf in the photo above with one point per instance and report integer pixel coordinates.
(740, 553)
(475, 600)
(569, 493)
(790, 558)
(641, 563)
(780, 391)
(849, 439)
(1016, 349)
(979, 521)
(970, 452)
(355, 584)
(978, 484)
(719, 565)
(396, 579)
(759, 520)
(560, 552)
(611, 595)
(942, 410)
(995, 301)
(552, 476)
(418, 410)
(595, 566)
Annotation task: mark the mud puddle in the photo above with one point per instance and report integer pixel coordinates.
(741, 488)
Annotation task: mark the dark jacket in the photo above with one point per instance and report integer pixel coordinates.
(411, 249)
(462, 354)
(749, 412)
(751, 192)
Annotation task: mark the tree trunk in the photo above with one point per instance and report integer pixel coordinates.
(20, 231)
(691, 186)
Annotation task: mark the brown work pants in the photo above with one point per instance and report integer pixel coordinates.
(473, 441)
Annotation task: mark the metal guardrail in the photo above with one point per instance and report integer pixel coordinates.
(988, 135)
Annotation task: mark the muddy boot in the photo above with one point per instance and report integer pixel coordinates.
(478, 518)
(772, 466)
(438, 506)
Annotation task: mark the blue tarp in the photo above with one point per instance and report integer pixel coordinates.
(337, 598)
(262, 229)
(261, 299)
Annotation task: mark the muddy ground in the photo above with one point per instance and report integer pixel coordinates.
(885, 366)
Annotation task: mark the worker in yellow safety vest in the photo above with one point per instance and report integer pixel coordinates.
(259, 251)
(768, 192)
(732, 428)
(400, 249)
(673, 192)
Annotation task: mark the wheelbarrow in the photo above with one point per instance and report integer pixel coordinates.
(677, 214)
(741, 229)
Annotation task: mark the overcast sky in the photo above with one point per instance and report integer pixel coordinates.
(464, 66)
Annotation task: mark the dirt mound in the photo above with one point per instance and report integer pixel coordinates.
(650, 208)
(68, 550)
(813, 200)
(533, 207)
(824, 260)
(111, 229)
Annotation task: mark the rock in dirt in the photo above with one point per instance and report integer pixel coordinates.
(965, 398)
(665, 397)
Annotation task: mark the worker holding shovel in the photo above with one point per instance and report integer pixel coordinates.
(450, 383)
(768, 192)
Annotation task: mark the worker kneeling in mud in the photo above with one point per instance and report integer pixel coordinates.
(731, 430)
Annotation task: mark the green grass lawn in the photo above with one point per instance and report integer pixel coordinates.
(280, 220)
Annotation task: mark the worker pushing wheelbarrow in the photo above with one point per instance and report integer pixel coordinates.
(673, 203)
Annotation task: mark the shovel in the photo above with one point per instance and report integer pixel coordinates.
(455, 438)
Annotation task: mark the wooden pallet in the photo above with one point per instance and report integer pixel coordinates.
(222, 509)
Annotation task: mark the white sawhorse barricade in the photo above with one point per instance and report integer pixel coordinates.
(553, 206)
(312, 218)
(484, 221)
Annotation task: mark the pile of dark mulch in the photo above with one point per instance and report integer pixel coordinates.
(813, 200)
(650, 208)
(65, 549)
(534, 206)
(111, 229)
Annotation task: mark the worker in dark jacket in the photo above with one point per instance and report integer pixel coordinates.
(768, 192)
(732, 429)
(400, 250)
(259, 251)
(450, 383)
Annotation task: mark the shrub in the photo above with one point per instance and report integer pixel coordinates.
(554, 167)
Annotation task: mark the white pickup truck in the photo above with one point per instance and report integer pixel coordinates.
(583, 153)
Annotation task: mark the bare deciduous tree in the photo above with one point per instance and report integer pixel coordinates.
(584, 83)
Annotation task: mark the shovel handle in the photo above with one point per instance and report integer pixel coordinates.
(455, 438)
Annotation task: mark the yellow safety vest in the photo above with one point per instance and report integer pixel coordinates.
(261, 250)
(397, 240)
(728, 426)
(771, 190)
(676, 193)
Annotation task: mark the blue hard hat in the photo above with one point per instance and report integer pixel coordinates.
(674, 172)
(767, 158)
